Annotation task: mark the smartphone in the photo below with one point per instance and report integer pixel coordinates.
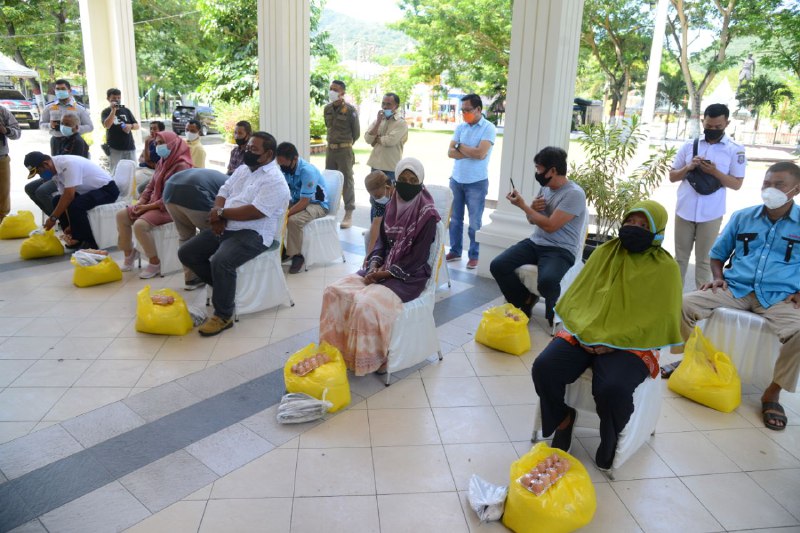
(707, 161)
(512, 183)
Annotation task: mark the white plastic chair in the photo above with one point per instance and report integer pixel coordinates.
(321, 236)
(166, 238)
(749, 342)
(414, 332)
(529, 274)
(443, 198)
(260, 282)
(103, 218)
(640, 427)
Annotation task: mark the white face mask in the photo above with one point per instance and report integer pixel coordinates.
(333, 96)
(382, 201)
(774, 198)
(190, 136)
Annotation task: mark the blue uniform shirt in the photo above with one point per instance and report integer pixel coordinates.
(766, 255)
(307, 182)
(473, 170)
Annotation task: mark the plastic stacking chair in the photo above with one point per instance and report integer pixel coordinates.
(321, 236)
(443, 199)
(103, 218)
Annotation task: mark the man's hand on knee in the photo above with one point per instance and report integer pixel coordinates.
(714, 285)
(794, 299)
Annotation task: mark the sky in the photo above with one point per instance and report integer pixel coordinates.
(368, 10)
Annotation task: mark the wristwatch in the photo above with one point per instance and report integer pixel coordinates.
(219, 211)
(457, 146)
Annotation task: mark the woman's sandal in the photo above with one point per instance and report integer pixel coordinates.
(772, 412)
(562, 438)
(667, 370)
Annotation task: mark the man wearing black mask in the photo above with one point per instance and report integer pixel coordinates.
(705, 167)
(245, 220)
(241, 134)
(559, 216)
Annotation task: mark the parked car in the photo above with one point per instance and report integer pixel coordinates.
(22, 109)
(184, 113)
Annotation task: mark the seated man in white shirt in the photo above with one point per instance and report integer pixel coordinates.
(245, 219)
(81, 186)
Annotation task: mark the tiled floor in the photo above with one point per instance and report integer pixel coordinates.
(75, 377)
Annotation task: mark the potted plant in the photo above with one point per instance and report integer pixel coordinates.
(611, 187)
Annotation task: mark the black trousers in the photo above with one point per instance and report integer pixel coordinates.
(552, 262)
(614, 378)
(76, 216)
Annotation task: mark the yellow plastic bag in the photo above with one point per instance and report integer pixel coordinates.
(330, 377)
(504, 328)
(566, 506)
(105, 271)
(173, 319)
(41, 245)
(707, 375)
(17, 226)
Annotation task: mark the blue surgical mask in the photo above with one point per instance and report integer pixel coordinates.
(66, 131)
(46, 174)
(382, 201)
(62, 95)
(162, 150)
(388, 113)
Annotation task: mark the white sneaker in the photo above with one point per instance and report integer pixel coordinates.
(150, 271)
(130, 259)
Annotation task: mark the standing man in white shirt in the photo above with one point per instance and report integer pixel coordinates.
(51, 116)
(387, 135)
(245, 219)
(706, 167)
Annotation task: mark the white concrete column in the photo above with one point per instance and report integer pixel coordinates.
(654, 68)
(109, 52)
(545, 37)
(283, 70)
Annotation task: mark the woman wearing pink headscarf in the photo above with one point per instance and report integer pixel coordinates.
(150, 211)
(358, 311)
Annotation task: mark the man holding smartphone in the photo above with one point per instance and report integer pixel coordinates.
(699, 211)
(119, 122)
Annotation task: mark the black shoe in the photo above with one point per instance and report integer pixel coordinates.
(193, 284)
(528, 308)
(297, 264)
(604, 458)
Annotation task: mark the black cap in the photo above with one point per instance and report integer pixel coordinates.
(32, 162)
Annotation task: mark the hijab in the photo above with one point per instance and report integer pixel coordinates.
(404, 221)
(178, 153)
(626, 300)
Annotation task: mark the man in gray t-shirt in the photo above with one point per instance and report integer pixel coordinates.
(559, 216)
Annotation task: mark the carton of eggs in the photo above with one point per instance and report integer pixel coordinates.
(545, 474)
(309, 364)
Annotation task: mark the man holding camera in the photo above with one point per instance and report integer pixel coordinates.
(706, 167)
(119, 122)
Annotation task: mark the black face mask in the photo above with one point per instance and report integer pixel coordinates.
(407, 191)
(250, 159)
(713, 135)
(241, 142)
(287, 169)
(541, 179)
(635, 239)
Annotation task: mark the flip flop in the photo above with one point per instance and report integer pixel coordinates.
(667, 370)
(562, 438)
(772, 412)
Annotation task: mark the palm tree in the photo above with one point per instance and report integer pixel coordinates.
(760, 92)
(672, 90)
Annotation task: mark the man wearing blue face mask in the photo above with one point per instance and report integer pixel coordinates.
(387, 135)
(64, 104)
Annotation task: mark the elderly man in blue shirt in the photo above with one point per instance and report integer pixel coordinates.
(764, 278)
(309, 199)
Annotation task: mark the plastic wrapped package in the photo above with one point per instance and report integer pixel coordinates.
(706, 375)
(297, 407)
(328, 381)
(41, 244)
(172, 319)
(486, 499)
(504, 328)
(17, 226)
(94, 269)
(567, 505)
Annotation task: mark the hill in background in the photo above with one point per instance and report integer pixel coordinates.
(358, 40)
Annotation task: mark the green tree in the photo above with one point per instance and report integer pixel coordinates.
(468, 40)
(44, 35)
(672, 91)
(762, 92)
(780, 38)
(618, 34)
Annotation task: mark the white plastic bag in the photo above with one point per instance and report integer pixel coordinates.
(84, 258)
(486, 500)
(298, 407)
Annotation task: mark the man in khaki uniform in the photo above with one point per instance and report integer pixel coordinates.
(341, 120)
(387, 135)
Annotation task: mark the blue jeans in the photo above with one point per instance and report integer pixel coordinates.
(473, 196)
(215, 259)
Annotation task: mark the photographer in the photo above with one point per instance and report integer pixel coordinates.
(9, 129)
(119, 122)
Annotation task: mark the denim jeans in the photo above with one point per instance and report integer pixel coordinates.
(473, 196)
(215, 259)
(552, 263)
(41, 191)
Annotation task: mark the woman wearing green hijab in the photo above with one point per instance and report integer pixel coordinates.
(623, 307)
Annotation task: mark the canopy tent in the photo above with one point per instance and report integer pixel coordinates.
(8, 67)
